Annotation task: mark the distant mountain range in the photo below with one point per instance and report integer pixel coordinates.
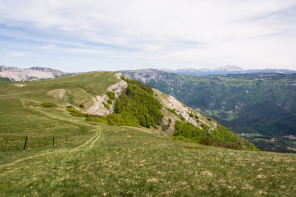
(223, 70)
(30, 74)
(40, 73)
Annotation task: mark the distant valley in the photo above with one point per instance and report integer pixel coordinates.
(259, 106)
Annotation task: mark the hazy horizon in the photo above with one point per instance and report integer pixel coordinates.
(161, 69)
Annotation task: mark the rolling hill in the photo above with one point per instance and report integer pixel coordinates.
(50, 145)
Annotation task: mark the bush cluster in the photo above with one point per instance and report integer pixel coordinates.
(75, 112)
(221, 136)
(174, 112)
(136, 107)
(111, 95)
(48, 104)
(106, 105)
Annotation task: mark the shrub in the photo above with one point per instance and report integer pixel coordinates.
(109, 101)
(205, 127)
(74, 112)
(111, 95)
(48, 104)
(174, 112)
(182, 118)
(106, 105)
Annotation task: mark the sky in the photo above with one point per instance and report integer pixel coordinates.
(88, 35)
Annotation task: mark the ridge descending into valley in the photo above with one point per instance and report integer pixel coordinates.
(140, 106)
(51, 146)
(261, 107)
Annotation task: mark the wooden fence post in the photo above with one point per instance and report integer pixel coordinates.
(52, 141)
(26, 143)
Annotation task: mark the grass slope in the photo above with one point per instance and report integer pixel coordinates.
(105, 160)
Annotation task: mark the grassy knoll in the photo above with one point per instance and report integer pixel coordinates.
(106, 160)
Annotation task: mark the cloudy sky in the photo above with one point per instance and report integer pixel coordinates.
(86, 35)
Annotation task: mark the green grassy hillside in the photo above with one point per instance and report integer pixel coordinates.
(94, 159)
(139, 106)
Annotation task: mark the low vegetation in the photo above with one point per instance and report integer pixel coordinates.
(222, 136)
(111, 95)
(175, 113)
(106, 105)
(48, 104)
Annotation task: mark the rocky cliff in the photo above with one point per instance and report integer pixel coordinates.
(29, 74)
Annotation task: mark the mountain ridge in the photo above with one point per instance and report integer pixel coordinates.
(228, 69)
(30, 74)
(135, 104)
(258, 104)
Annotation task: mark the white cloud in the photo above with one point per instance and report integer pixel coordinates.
(250, 33)
(17, 53)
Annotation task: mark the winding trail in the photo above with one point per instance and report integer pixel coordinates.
(85, 146)
(98, 137)
(88, 144)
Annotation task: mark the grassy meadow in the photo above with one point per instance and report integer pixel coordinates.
(93, 159)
